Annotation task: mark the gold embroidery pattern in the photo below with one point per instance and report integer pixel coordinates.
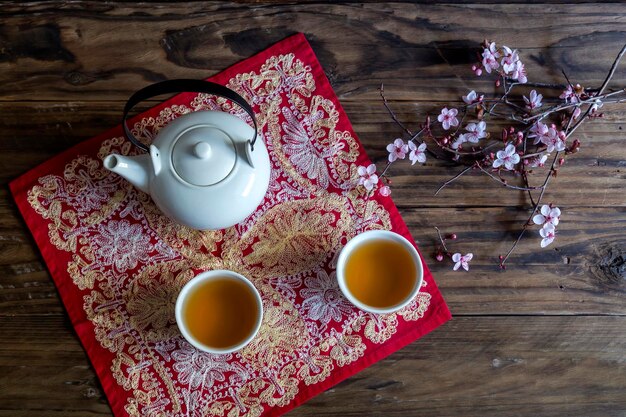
(129, 261)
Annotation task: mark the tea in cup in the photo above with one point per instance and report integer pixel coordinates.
(379, 271)
(219, 311)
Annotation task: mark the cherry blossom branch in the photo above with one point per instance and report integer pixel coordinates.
(532, 213)
(517, 152)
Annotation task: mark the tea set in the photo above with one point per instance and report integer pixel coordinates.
(207, 170)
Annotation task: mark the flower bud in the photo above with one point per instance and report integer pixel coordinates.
(498, 82)
(479, 72)
(576, 113)
(511, 130)
(474, 67)
(439, 256)
(561, 161)
(451, 236)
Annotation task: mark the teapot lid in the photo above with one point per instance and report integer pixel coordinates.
(203, 155)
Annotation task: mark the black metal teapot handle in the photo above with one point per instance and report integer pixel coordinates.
(178, 86)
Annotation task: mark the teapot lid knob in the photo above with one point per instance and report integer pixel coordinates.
(203, 155)
(202, 150)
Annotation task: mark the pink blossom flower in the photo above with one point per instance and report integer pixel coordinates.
(538, 131)
(548, 215)
(472, 97)
(508, 157)
(490, 58)
(538, 161)
(519, 73)
(569, 95)
(595, 106)
(458, 142)
(417, 153)
(448, 118)
(548, 233)
(475, 132)
(510, 57)
(397, 150)
(554, 140)
(385, 191)
(368, 177)
(534, 101)
(462, 261)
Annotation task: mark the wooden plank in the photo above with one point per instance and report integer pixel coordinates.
(582, 272)
(32, 132)
(63, 51)
(474, 366)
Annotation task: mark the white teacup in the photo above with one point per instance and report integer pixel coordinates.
(413, 283)
(219, 311)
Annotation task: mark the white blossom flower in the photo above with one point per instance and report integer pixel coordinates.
(569, 95)
(417, 153)
(458, 142)
(490, 57)
(548, 233)
(472, 97)
(596, 105)
(538, 131)
(508, 157)
(554, 140)
(448, 118)
(548, 215)
(462, 261)
(397, 150)
(539, 160)
(509, 59)
(534, 102)
(519, 73)
(368, 177)
(475, 132)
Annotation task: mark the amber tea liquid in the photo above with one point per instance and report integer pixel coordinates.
(221, 312)
(380, 273)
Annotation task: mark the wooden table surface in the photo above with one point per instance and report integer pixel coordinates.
(545, 338)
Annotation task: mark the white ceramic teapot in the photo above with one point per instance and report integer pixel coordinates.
(205, 169)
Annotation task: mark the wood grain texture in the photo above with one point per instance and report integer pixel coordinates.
(58, 50)
(545, 338)
(474, 366)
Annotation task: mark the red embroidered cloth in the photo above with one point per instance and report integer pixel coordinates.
(118, 263)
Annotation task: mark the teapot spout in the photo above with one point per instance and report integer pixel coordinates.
(135, 169)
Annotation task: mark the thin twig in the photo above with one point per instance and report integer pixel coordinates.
(612, 70)
(451, 180)
(504, 184)
(393, 115)
(543, 187)
(443, 244)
